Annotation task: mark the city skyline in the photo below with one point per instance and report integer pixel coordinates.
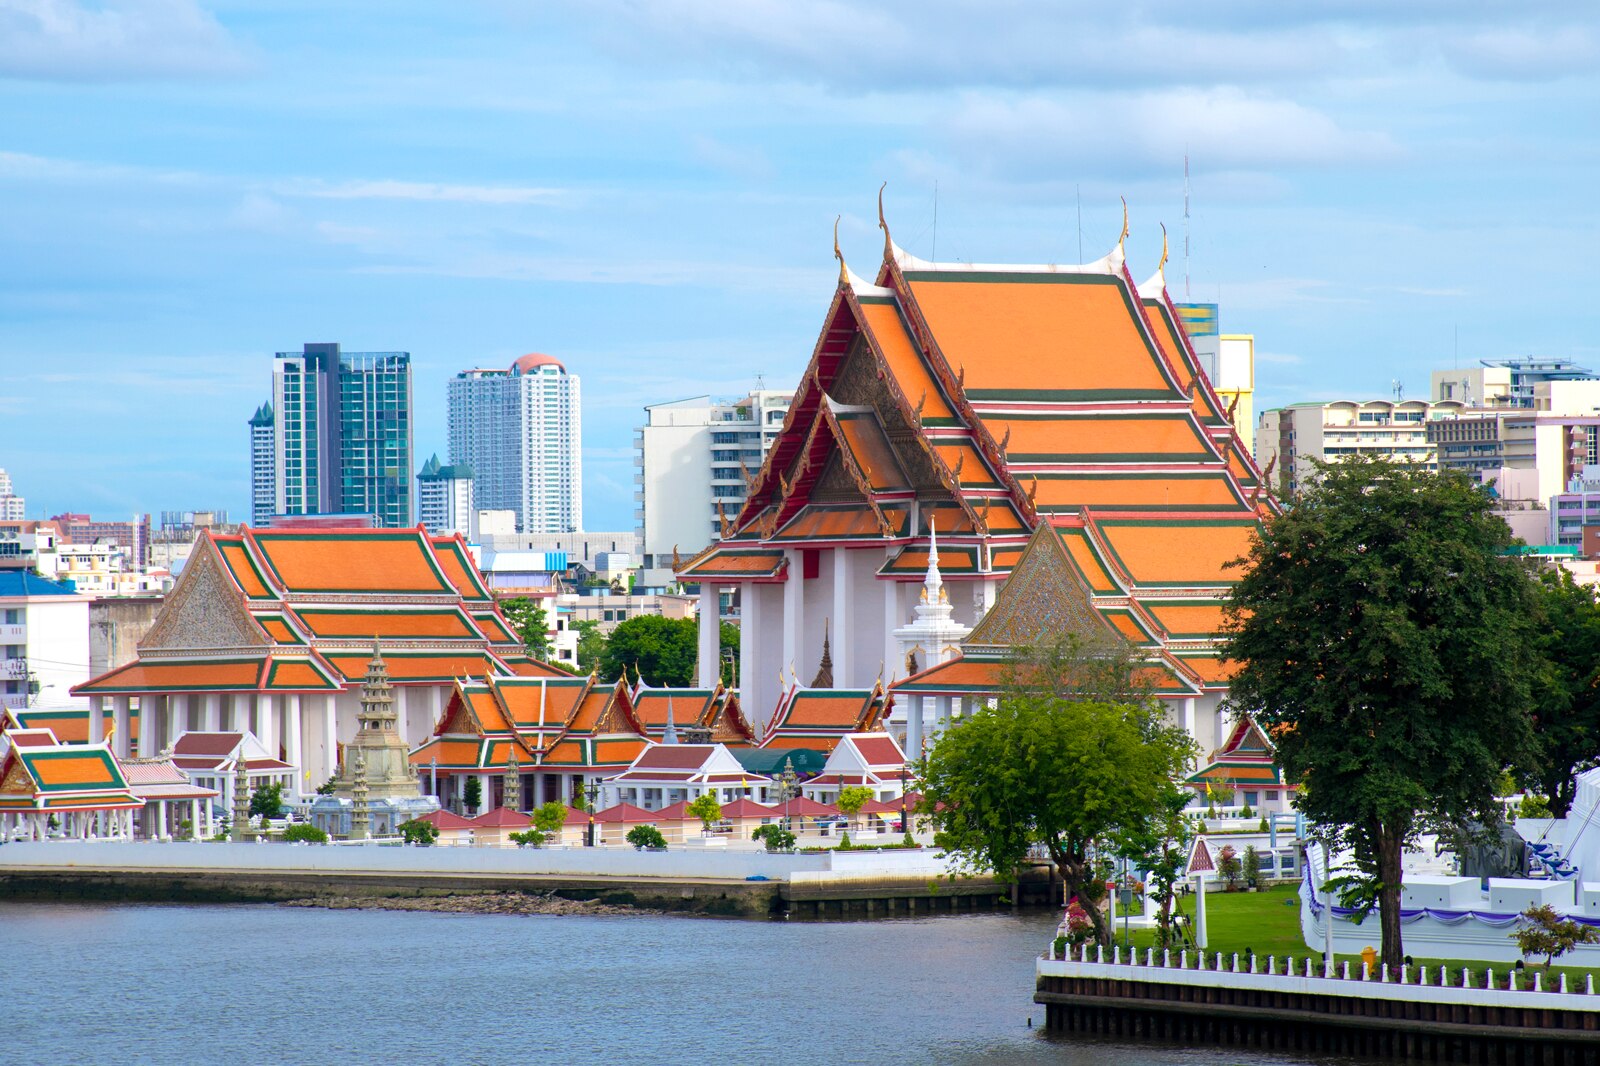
(492, 182)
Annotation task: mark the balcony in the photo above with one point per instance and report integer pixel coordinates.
(18, 701)
(13, 634)
(14, 669)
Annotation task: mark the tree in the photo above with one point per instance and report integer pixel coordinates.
(529, 623)
(304, 831)
(1541, 931)
(327, 787)
(267, 801)
(851, 799)
(1074, 775)
(1567, 693)
(1384, 636)
(1228, 866)
(546, 821)
(472, 794)
(1161, 847)
(777, 838)
(728, 652)
(662, 650)
(416, 831)
(646, 836)
(1252, 867)
(707, 809)
(591, 645)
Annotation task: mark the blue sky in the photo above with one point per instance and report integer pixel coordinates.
(646, 189)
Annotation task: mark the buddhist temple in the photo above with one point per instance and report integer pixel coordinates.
(269, 631)
(551, 738)
(76, 790)
(975, 421)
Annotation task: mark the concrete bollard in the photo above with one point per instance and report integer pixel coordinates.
(1384, 979)
(1466, 978)
(1538, 982)
(1347, 969)
(1588, 984)
(1149, 956)
(1253, 961)
(1563, 984)
(1272, 965)
(1183, 959)
(1099, 953)
(1166, 956)
(1366, 971)
(1116, 955)
(1422, 978)
(1235, 962)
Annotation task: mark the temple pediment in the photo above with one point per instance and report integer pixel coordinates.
(1043, 599)
(205, 610)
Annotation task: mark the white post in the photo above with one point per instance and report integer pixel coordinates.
(1200, 939)
(894, 660)
(266, 729)
(150, 707)
(794, 616)
(196, 832)
(710, 632)
(843, 642)
(914, 713)
(436, 702)
(750, 679)
(1327, 912)
(213, 706)
(941, 715)
(330, 733)
(97, 719)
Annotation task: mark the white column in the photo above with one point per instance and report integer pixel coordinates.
(914, 726)
(750, 680)
(894, 662)
(149, 721)
(941, 714)
(266, 723)
(121, 719)
(1187, 715)
(97, 719)
(293, 750)
(794, 615)
(844, 656)
(710, 635)
(213, 709)
(175, 713)
(330, 736)
(436, 705)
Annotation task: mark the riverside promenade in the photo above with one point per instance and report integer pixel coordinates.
(734, 883)
(1465, 1016)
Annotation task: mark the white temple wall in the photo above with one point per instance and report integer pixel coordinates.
(866, 633)
(818, 598)
(765, 604)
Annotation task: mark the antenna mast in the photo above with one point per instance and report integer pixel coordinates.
(1186, 226)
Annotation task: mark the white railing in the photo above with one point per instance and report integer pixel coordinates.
(1425, 984)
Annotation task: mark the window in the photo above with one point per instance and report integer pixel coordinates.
(1252, 799)
(13, 616)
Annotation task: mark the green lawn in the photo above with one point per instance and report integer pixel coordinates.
(1268, 923)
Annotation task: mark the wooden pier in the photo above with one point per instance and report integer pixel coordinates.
(1292, 1006)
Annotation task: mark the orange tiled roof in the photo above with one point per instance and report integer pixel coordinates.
(161, 675)
(1041, 336)
(1190, 491)
(458, 567)
(1165, 330)
(278, 629)
(736, 562)
(827, 523)
(243, 568)
(916, 381)
(354, 561)
(448, 623)
(1087, 558)
(958, 675)
(1199, 618)
(1162, 438)
(298, 675)
(1178, 553)
(417, 666)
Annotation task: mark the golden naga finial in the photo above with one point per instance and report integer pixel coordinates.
(1266, 475)
(1163, 247)
(920, 402)
(677, 564)
(844, 272)
(1234, 405)
(1033, 490)
(961, 460)
(1194, 385)
(1005, 441)
(722, 520)
(888, 242)
(961, 376)
(749, 478)
(1124, 234)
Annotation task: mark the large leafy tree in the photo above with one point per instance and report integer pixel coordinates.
(1384, 633)
(1051, 765)
(662, 650)
(591, 645)
(1567, 693)
(530, 623)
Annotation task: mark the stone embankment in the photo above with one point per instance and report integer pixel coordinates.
(479, 903)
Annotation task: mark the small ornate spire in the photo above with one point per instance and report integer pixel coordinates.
(933, 582)
(844, 271)
(888, 242)
(824, 678)
(669, 735)
(360, 812)
(1123, 236)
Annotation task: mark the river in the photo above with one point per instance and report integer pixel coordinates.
(173, 984)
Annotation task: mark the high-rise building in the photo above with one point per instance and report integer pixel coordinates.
(1229, 360)
(1505, 382)
(11, 505)
(263, 467)
(519, 431)
(444, 498)
(1289, 438)
(692, 459)
(341, 434)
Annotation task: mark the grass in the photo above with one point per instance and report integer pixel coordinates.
(1268, 923)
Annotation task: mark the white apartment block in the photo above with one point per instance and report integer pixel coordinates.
(263, 468)
(445, 498)
(520, 431)
(44, 641)
(1289, 438)
(691, 460)
(11, 505)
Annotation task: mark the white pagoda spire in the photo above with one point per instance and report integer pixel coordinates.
(933, 636)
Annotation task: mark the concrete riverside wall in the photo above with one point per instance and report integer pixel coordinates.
(677, 865)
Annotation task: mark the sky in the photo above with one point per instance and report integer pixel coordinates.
(646, 189)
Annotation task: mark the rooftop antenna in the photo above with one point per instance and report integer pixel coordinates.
(1186, 227)
(1078, 195)
(1399, 390)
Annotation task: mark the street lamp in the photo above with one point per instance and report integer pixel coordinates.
(591, 792)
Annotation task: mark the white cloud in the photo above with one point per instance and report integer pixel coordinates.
(1523, 53)
(1222, 129)
(429, 192)
(64, 40)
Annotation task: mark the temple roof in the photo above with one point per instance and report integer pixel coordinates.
(817, 718)
(576, 722)
(984, 397)
(63, 777)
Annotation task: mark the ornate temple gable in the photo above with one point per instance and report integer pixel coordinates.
(16, 781)
(204, 611)
(836, 485)
(1044, 597)
(618, 716)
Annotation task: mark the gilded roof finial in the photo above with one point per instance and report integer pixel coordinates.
(844, 272)
(1124, 235)
(1163, 247)
(888, 243)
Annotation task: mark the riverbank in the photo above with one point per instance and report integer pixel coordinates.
(480, 903)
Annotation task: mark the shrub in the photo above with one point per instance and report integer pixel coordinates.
(1265, 828)
(267, 801)
(1541, 931)
(1247, 812)
(852, 798)
(707, 809)
(777, 837)
(326, 788)
(908, 841)
(550, 817)
(844, 841)
(1060, 951)
(1228, 865)
(533, 838)
(416, 831)
(646, 836)
(306, 832)
(1534, 807)
(1080, 928)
